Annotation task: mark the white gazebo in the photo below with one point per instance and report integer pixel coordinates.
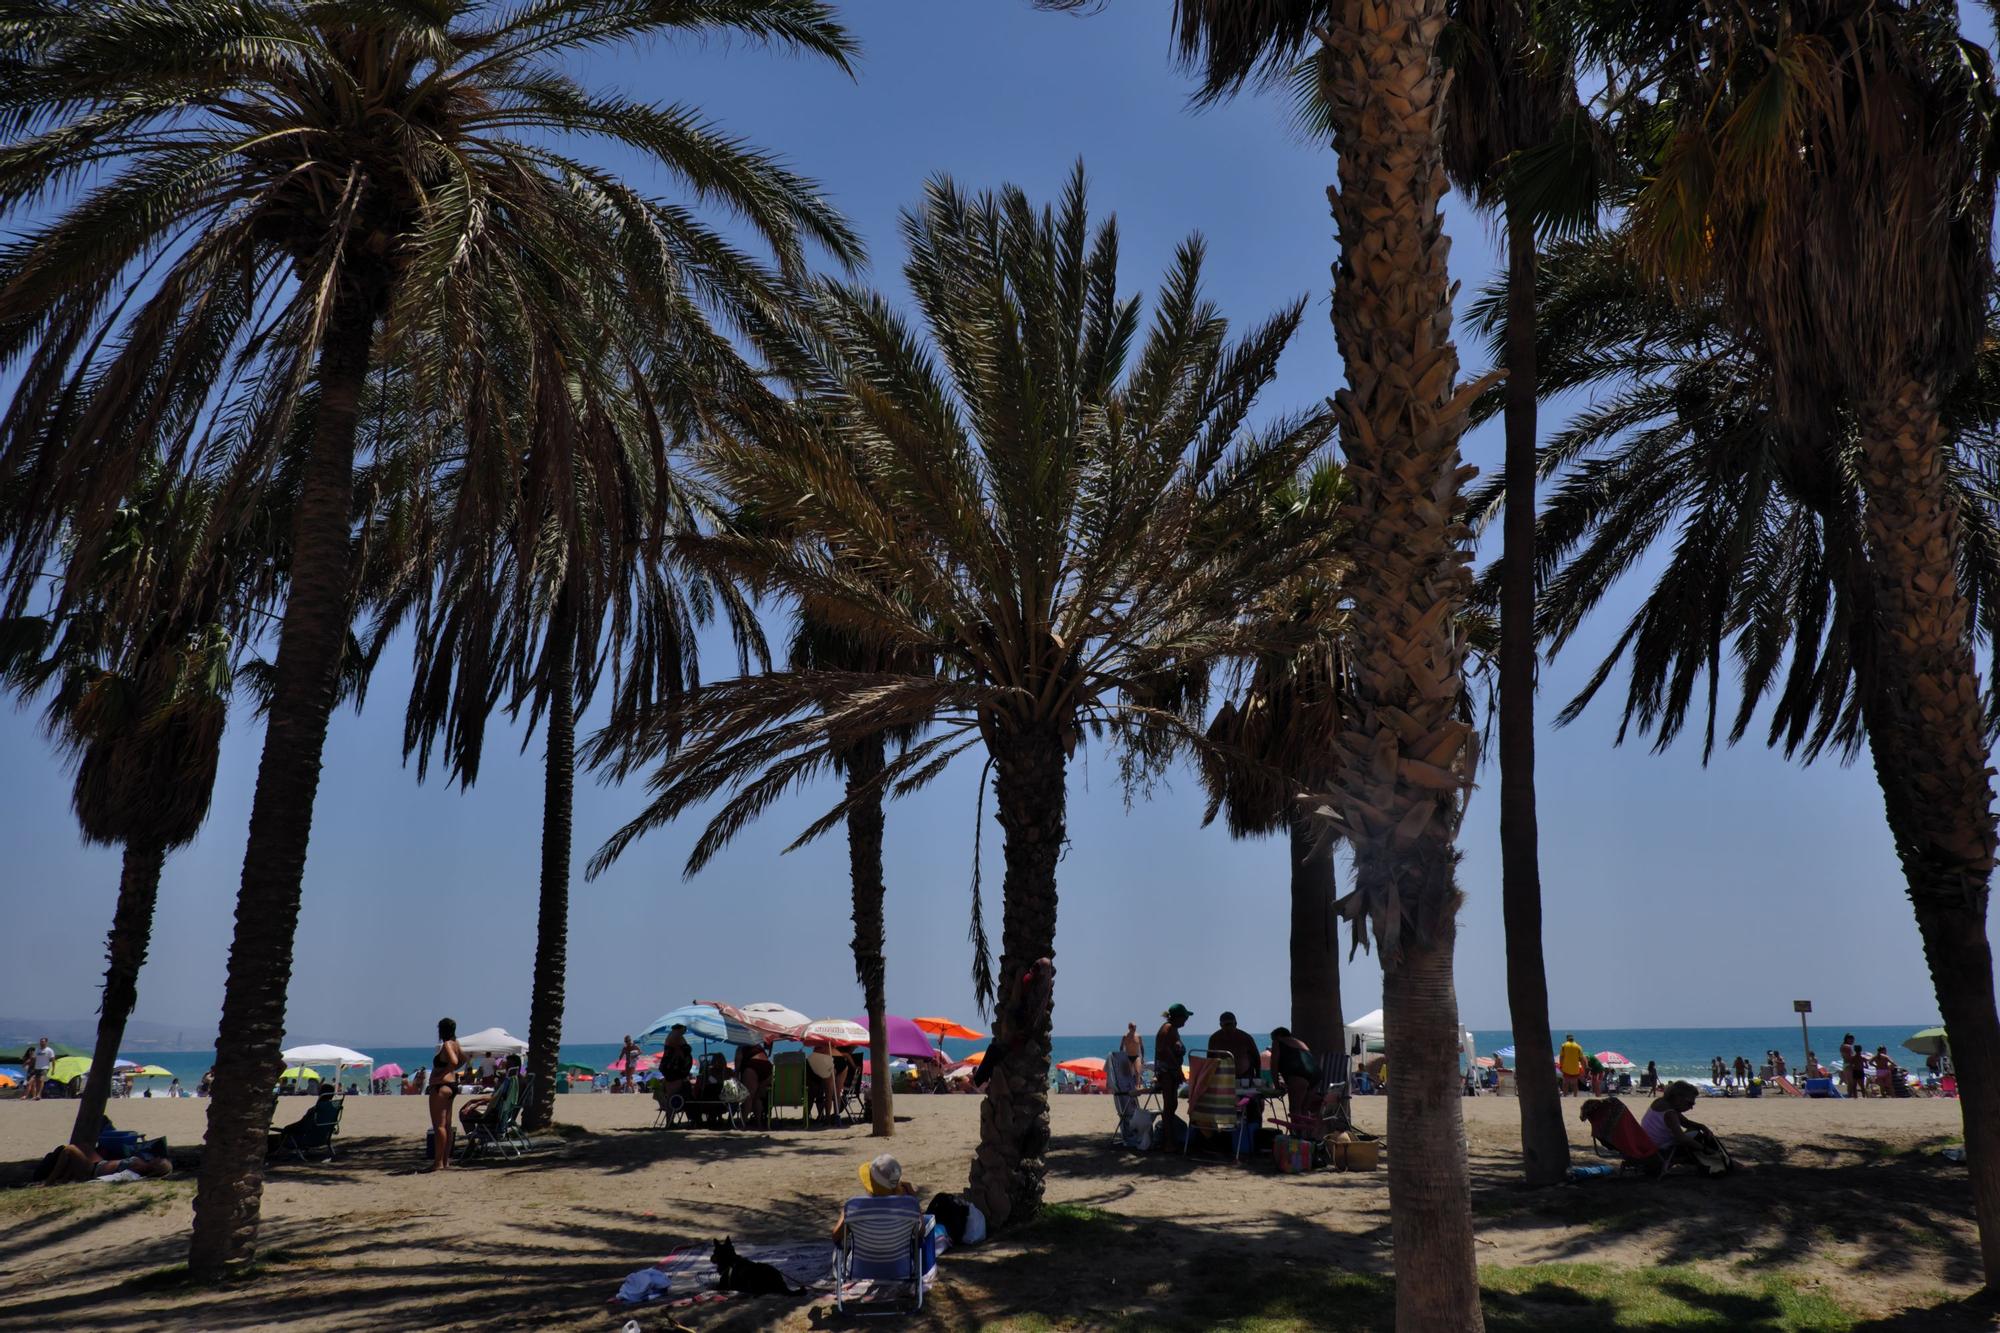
(1368, 1027)
(325, 1053)
(492, 1041)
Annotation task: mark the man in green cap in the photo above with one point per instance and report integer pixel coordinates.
(1168, 1056)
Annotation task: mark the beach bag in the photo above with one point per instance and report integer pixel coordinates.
(1710, 1155)
(733, 1092)
(1294, 1155)
(1141, 1130)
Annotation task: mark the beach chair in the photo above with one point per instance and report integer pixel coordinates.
(1313, 1122)
(670, 1105)
(788, 1085)
(1135, 1122)
(882, 1240)
(499, 1129)
(316, 1135)
(1212, 1105)
(853, 1108)
(1615, 1134)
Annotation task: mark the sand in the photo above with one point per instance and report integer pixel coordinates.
(1848, 1196)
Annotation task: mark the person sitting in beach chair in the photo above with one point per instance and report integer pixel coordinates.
(1615, 1133)
(481, 1110)
(312, 1132)
(884, 1236)
(1680, 1139)
(495, 1121)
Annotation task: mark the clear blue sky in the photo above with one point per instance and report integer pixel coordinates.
(1675, 895)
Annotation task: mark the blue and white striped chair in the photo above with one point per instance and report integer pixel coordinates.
(882, 1240)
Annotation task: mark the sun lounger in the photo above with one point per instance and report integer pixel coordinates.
(1615, 1133)
(882, 1240)
(316, 1135)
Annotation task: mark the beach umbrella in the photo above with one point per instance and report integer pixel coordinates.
(584, 1070)
(149, 1071)
(1483, 1061)
(8, 1082)
(945, 1027)
(704, 1021)
(639, 1066)
(1505, 1052)
(15, 1072)
(299, 1074)
(837, 1031)
(905, 1038)
(1931, 1041)
(1090, 1067)
(1613, 1060)
(123, 1066)
(390, 1070)
(775, 1020)
(69, 1067)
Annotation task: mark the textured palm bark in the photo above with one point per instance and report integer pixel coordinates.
(131, 932)
(1009, 1168)
(310, 639)
(864, 763)
(545, 1012)
(1403, 754)
(1926, 730)
(1316, 1012)
(1544, 1138)
(1437, 1279)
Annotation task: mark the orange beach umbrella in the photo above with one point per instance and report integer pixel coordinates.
(945, 1027)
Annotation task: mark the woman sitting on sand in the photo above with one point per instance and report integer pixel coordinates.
(444, 1087)
(1666, 1123)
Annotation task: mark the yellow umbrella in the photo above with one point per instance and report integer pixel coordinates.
(6, 1082)
(149, 1071)
(301, 1072)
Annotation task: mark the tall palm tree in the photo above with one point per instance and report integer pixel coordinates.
(1513, 131)
(138, 698)
(1764, 526)
(1058, 519)
(1271, 742)
(1404, 757)
(235, 201)
(1829, 173)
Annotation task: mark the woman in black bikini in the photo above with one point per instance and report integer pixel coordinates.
(444, 1087)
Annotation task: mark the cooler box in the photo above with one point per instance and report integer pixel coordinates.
(117, 1143)
(1819, 1087)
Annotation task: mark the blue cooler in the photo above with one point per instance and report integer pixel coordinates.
(117, 1142)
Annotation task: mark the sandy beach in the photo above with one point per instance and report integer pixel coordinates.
(1846, 1201)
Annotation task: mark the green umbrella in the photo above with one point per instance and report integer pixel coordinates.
(1931, 1041)
(69, 1067)
(301, 1072)
(584, 1071)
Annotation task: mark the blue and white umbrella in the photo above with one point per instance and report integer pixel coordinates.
(1505, 1052)
(705, 1022)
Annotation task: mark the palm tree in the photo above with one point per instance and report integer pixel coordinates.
(1404, 755)
(1271, 743)
(1768, 544)
(1516, 140)
(1056, 519)
(138, 697)
(1829, 175)
(238, 201)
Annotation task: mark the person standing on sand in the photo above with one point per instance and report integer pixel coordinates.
(1852, 1062)
(1168, 1056)
(1134, 1048)
(1570, 1059)
(444, 1088)
(39, 1061)
(628, 1055)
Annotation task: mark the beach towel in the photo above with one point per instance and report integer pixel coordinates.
(690, 1273)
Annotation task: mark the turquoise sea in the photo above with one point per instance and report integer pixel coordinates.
(1679, 1052)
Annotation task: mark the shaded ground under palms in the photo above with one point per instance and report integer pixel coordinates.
(1858, 1226)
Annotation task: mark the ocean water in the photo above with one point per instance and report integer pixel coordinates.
(1679, 1052)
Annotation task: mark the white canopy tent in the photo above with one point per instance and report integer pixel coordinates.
(1368, 1028)
(325, 1053)
(492, 1041)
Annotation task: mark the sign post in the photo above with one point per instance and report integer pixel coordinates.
(1802, 1008)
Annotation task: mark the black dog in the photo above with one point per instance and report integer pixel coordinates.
(747, 1275)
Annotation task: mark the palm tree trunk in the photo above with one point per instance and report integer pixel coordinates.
(310, 640)
(545, 1012)
(1926, 730)
(1401, 759)
(131, 931)
(1544, 1140)
(1008, 1169)
(1437, 1278)
(864, 763)
(1316, 1013)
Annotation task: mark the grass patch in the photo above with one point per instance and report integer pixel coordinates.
(1069, 1223)
(31, 1201)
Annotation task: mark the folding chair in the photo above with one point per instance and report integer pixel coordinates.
(883, 1240)
(500, 1127)
(788, 1085)
(316, 1135)
(1615, 1134)
(669, 1105)
(1212, 1106)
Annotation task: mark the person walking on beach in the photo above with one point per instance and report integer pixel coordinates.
(1570, 1059)
(1852, 1060)
(628, 1055)
(444, 1088)
(1168, 1056)
(1135, 1049)
(39, 1061)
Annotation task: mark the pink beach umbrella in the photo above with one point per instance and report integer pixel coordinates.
(906, 1039)
(1613, 1060)
(639, 1066)
(390, 1070)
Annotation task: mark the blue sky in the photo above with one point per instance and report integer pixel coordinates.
(1675, 895)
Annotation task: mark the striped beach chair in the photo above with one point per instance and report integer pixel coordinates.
(882, 1240)
(1212, 1104)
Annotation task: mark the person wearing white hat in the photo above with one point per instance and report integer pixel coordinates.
(881, 1177)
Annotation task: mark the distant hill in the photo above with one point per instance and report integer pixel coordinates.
(139, 1034)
